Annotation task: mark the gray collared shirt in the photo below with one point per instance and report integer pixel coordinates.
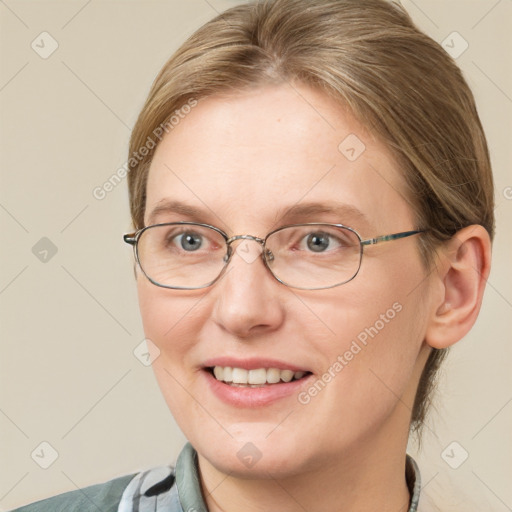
(162, 489)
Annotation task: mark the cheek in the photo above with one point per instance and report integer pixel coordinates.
(371, 352)
(169, 317)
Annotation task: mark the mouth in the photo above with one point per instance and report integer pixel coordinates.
(256, 377)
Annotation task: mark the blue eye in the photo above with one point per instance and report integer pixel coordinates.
(322, 241)
(190, 241)
(318, 242)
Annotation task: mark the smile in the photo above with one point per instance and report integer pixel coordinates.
(258, 377)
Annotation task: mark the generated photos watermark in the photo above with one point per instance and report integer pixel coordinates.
(100, 192)
(343, 360)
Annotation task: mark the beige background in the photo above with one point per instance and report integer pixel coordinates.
(69, 325)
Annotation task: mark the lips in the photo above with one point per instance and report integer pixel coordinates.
(253, 382)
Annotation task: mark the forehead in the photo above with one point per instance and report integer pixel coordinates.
(251, 157)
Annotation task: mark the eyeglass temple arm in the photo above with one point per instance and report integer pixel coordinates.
(387, 238)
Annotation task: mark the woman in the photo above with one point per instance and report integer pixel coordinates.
(312, 203)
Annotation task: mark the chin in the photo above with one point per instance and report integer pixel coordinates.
(254, 453)
(250, 460)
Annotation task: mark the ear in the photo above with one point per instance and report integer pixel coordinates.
(462, 271)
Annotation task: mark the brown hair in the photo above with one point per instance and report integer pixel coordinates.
(367, 55)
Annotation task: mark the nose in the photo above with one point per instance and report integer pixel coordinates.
(247, 297)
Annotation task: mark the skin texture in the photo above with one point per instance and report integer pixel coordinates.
(246, 159)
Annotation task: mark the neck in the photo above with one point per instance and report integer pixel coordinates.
(371, 477)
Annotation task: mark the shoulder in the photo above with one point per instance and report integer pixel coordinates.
(153, 489)
(104, 497)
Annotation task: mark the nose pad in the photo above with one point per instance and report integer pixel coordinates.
(269, 256)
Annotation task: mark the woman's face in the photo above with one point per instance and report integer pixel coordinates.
(248, 164)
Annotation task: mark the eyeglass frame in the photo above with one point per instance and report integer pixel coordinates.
(133, 239)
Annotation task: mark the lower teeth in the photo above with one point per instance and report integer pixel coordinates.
(247, 385)
(236, 385)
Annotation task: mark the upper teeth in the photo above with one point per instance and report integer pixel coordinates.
(256, 376)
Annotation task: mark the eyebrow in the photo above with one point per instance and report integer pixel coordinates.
(341, 213)
(193, 213)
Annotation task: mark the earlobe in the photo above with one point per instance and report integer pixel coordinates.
(463, 269)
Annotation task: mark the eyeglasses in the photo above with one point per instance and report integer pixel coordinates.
(313, 256)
